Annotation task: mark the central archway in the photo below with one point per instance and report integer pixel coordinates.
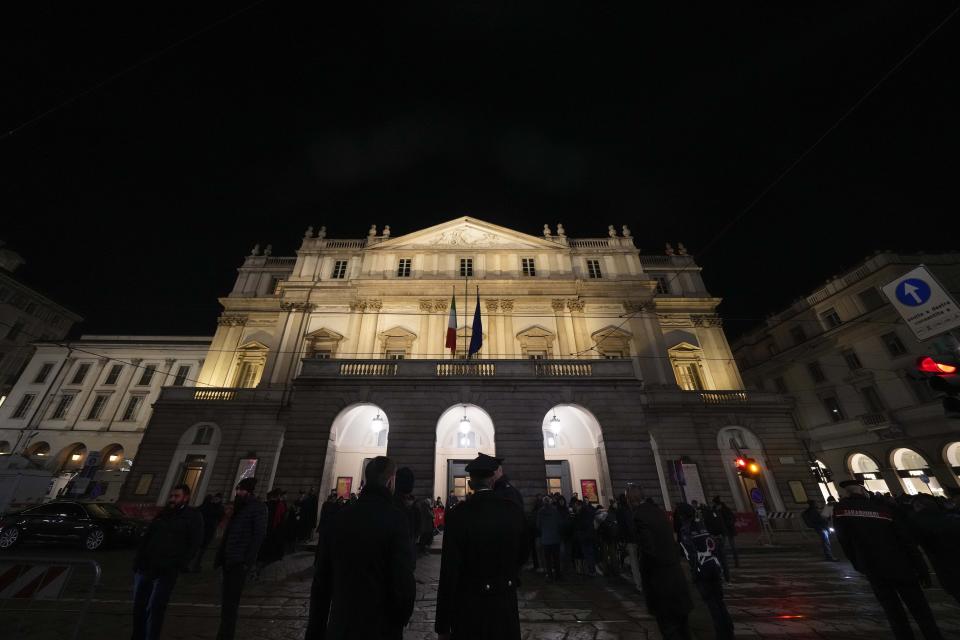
(463, 431)
(359, 433)
(573, 450)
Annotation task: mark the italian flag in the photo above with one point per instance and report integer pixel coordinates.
(451, 342)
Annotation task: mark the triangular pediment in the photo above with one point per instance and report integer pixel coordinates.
(467, 234)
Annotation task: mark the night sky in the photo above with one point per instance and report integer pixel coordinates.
(134, 202)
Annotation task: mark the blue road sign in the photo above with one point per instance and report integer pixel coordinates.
(756, 495)
(913, 292)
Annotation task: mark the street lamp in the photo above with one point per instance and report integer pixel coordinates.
(377, 423)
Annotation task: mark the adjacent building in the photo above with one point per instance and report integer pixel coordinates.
(25, 317)
(600, 366)
(93, 396)
(849, 363)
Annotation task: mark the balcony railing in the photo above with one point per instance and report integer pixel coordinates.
(721, 398)
(445, 369)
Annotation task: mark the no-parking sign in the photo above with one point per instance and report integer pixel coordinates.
(926, 307)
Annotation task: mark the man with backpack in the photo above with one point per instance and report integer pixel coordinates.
(729, 521)
(714, 526)
(814, 520)
(699, 547)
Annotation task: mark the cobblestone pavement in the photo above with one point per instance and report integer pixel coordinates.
(777, 593)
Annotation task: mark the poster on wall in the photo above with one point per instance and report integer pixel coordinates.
(588, 489)
(693, 488)
(344, 484)
(246, 468)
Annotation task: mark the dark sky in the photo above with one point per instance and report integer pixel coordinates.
(134, 203)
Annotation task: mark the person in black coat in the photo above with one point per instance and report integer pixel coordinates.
(937, 530)
(664, 584)
(363, 584)
(238, 552)
(212, 512)
(171, 541)
(875, 539)
(483, 550)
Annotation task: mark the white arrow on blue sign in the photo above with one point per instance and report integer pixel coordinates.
(927, 308)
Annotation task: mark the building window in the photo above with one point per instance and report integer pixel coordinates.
(25, 403)
(396, 354)
(204, 435)
(249, 375)
(403, 268)
(99, 402)
(44, 373)
(80, 373)
(663, 285)
(147, 376)
(798, 334)
(14, 331)
(115, 371)
(272, 286)
(339, 270)
(536, 355)
(830, 318)
(780, 385)
(832, 405)
(816, 371)
(528, 266)
(132, 409)
(852, 359)
(593, 269)
(322, 354)
(871, 399)
(688, 376)
(181, 376)
(893, 344)
(870, 298)
(63, 404)
(466, 267)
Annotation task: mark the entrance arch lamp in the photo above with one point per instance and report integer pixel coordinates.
(377, 423)
(555, 423)
(464, 422)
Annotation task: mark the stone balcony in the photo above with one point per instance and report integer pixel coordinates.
(622, 369)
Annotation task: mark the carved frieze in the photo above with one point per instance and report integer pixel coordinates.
(440, 305)
(558, 304)
(296, 306)
(492, 305)
(375, 305)
(426, 305)
(506, 305)
(231, 321)
(575, 305)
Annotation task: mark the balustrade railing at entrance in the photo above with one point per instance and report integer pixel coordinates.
(500, 368)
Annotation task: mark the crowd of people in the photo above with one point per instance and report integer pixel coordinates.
(368, 546)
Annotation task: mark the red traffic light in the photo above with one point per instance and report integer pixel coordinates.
(747, 466)
(928, 364)
(741, 463)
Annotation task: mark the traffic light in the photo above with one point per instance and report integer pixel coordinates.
(941, 373)
(747, 467)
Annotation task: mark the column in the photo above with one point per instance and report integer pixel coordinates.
(509, 337)
(368, 336)
(424, 340)
(564, 328)
(494, 328)
(651, 349)
(438, 338)
(228, 350)
(351, 341)
(580, 339)
(289, 347)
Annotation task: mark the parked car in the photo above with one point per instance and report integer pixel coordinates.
(93, 524)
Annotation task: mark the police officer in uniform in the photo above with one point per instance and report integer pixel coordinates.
(483, 550)
(875, 540)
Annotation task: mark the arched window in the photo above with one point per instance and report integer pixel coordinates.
(865, 469)
(915, 473)
(4, 447)
(39, 450)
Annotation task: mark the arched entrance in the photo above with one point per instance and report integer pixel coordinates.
(865, 469)
(915, 473)
(463, 431)
(574, 453)
(191, 464)
(359, 434)
(112, 458)
(738, 441)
